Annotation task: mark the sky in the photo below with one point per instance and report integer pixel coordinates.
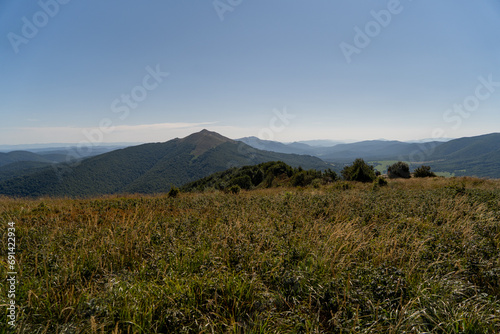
(92, 72)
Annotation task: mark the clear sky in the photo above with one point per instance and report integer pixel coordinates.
(149, 71)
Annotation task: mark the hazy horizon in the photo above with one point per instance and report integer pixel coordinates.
(61, 145)
(123, 71)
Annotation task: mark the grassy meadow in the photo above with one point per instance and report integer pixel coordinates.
(415, 256)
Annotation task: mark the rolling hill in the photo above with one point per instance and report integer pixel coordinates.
(372, 149)
(148, 168)
(25, 162)
(21, 168)
(341, 152)
(469, 156)
(275, 146)
(18, 156)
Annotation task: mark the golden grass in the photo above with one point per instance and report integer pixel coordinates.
(419, 255)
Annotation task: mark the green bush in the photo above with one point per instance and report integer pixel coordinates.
(174, 191)
(359, 171)
(302, 178)
(235, 189)
(330, 175)
(424, 171)
(316, 183)
(243, 181)
(379, 182)
(399, 170)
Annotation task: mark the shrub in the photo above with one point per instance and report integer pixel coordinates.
(330, 175)
(399, 170)
(424, 171)
(299, 179)
(277, 168)
(302, 178)
(379, 182)
(243, 181)
(235, 189)
(174, 191)
(316, 183)
(257, 177)
(359, 171)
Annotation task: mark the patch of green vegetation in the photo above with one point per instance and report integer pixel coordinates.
(264, 175)
(382, 165)
(359, 171)
(445, 174)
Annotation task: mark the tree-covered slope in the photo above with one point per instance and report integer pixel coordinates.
(21, 168)
(263, 175)
(147, 168)
(472, 156)
(17, 156)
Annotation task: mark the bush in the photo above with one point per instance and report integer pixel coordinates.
(316, 183)
(359, 171)
(257, 177)
(174, 191)
(235, 189)
(424, 171)
(278, 168)
(330, 175)
(243, 181)
(302, 178)
(399, 170)
(380, 181)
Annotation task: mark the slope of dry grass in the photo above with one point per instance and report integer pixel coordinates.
(414, 256)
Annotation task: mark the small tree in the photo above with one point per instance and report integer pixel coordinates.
(399, 170)
(424, 171)
(359, 171)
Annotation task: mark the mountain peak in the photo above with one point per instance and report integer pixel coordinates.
(205, 140)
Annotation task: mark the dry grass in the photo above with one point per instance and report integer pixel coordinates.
(414, 256)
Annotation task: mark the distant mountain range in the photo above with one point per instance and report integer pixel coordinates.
(472, 156)
(147, 168)
(154, 167)
(341, 152)
(70, 147)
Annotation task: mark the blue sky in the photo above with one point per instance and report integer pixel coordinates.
(148, 71)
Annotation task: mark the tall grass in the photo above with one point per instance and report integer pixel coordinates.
(414, 256)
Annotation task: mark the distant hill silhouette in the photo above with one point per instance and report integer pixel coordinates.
(148, 168)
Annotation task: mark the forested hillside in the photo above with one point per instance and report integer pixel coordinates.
(148, 168)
